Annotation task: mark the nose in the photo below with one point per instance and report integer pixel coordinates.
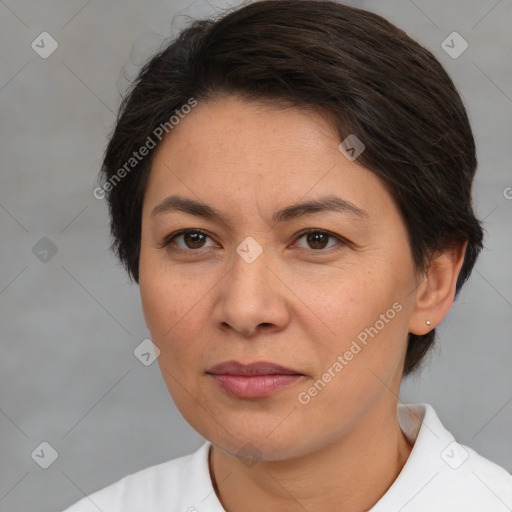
(252, 298)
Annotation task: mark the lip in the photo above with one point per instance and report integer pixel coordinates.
(251, 369)
(254, 380)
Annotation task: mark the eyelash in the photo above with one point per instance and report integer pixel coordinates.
(169, 239)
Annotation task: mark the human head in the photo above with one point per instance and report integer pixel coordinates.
(364, 75)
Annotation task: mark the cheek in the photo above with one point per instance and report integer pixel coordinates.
(363, 316)
(163, 296)
(349, 299)
(174, 311)
(154, 294)
(363, 349)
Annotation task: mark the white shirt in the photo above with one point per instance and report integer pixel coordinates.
(440, 475)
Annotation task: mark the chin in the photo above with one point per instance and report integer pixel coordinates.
(255, 444)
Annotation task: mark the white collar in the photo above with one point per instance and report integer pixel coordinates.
(419, 424)
(440, 474)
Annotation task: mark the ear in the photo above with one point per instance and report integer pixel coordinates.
(436, 290)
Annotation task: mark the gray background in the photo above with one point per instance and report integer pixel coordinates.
(69, 325)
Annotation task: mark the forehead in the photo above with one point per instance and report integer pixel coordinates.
(230, 151)
(236, 130)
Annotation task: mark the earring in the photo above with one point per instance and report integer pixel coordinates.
(428, 322)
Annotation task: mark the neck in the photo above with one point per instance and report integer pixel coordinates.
(350, 474)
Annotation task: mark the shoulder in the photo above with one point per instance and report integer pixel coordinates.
(164, 485)
(464, 470)
(442, 474)
(468, 482)
(480, 481)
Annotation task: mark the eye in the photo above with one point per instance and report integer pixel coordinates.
(317, 239)
(192, 238)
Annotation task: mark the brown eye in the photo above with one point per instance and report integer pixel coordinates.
(192, 239)
(318, 239)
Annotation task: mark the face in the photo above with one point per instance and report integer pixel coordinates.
(325, 292)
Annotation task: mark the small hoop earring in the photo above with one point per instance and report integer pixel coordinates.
(428, 322)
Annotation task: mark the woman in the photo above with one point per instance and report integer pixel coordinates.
(290, 186)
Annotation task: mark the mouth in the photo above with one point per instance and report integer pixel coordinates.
(253, 380)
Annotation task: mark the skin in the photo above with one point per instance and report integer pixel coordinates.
(298, 304)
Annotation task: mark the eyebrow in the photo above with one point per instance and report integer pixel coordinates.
(329, 203)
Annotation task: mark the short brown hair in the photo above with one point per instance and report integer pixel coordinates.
(369, 78)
